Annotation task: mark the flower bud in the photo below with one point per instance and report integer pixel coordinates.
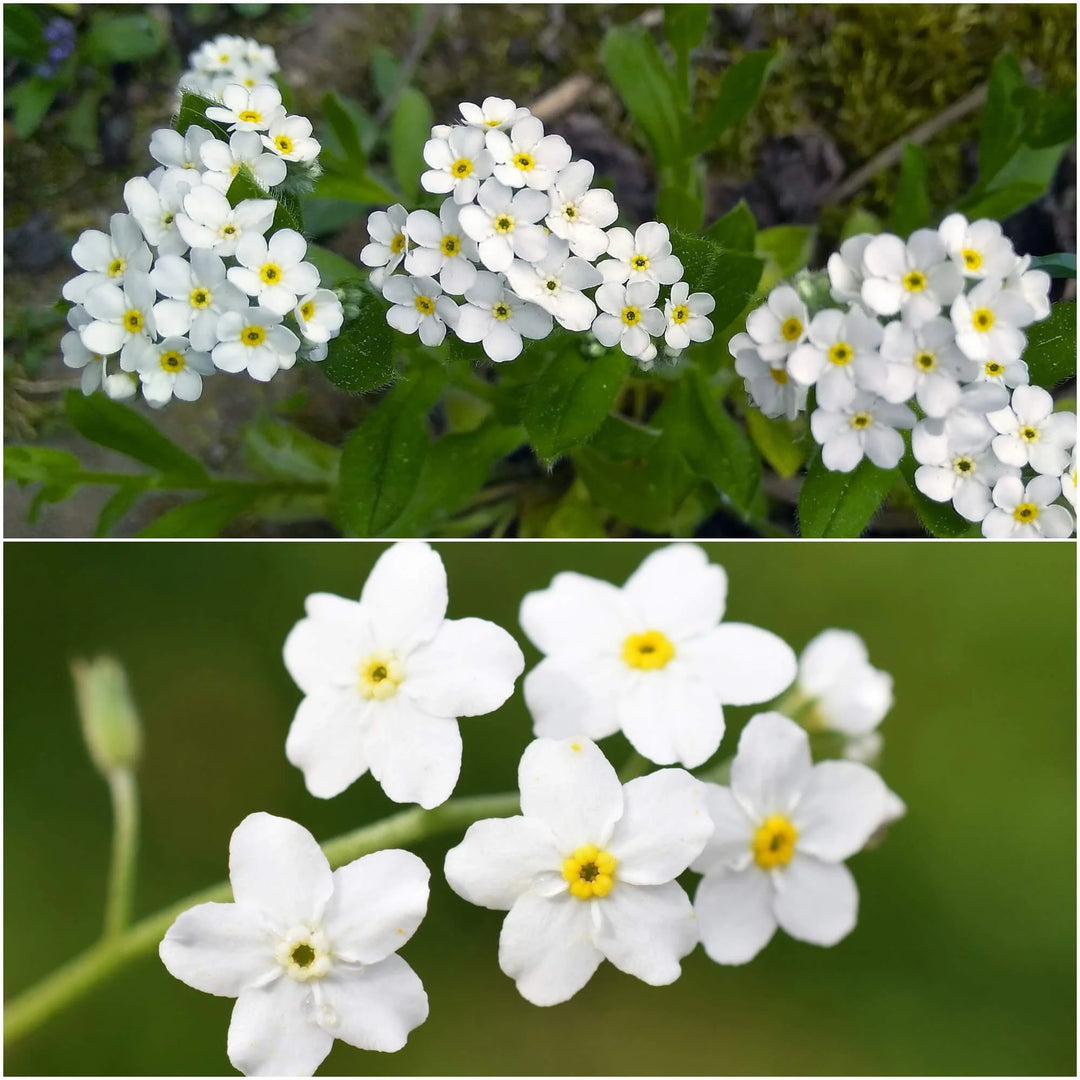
(110, 722)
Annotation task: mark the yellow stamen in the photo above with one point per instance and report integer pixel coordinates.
(590, 872)
(172, 362)
(841, 354)
(972, 259)
(982, 319)
(252, 336)
(791, 329)
(1026, 513)
(914, 281)
(380, 676)
(861, 420)
(774, 842)
(270, 273)
(425, 305)
(649, 651)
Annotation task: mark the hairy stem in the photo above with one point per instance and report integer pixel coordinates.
(121, 888)
(79, 976)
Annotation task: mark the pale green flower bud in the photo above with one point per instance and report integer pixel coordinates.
(110, 722)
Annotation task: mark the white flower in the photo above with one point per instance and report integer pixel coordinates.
(290, 136)
(245, 109)
(578, 214)
(1032, 285)
(119, 386)
(197, 295)
(76, 355)
(840, 357)
(106, 257)
(419, 306)
(778, 326)
(504, 224)
(772, 391)
(442, 248)
(587, 871)
(120, 316)
(783, 831)
(652, 658)
(846, 269)
(641, 256)
(254, 341)
(923, 361)
(319, 316)
(458, 164)
(1068, 480)
(389, 242)
(687, 316)
(495, 316)
(495, 112)
(1031, 433)
(848, 693)
(916, 278)
(1027, 513)
(866, 426)
(1002, 373)
(208, 221)
(527, 157)
(555, 283)
(953, 471)
(176, 151)
(223, 161)
(385, 680)
(170, 368)
(157, 209)
(987, 322)
(274, 273)
(627, 317)
(979, 248)
(308, 954)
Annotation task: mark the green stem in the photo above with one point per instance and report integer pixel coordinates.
(121, 889)
(75, 979)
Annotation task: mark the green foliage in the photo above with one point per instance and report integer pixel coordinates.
(736, 230)
(334, 269)
(777, 442)
(1060, 265)
(835, 504)
(123, 38)
(736, 94)
(345, 128)
(685, 25)
(206, 516)
(361, 357)
(912, 207)
(192, 111)
(786, 249)
(409, 131)
(730, 277)
(1051, 347)
(244, 186)
(31, 100)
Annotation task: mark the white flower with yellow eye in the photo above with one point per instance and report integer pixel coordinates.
(120, 317)
(156, 203)
(494, 315)
(555, 282)
(587, 872)
(651, 659)
(962, 470)
(578, 213)
(420, 307)
(526, 157)
(181, 152)
(988, 321)
(386, 678)
(916, 278)
(979, 248)
(223, 160)
(628, 318)
(169, 368)
(309, 954)
(389, 242)
(290, 136)
(778, 327)
(924, 362)
(494, 114)
(864, 427)
(782, 832)
(441, 248)
(770, 387)
(319, 316)
(1031, 433)
(687, 316)
(644, 255)
(247, 108)
(458, 164)
(1027, 512)
(503, 224)
(274, 272)
(840, 356)
(254, 341)
(106, 257)
(208, 221)
(196, 295)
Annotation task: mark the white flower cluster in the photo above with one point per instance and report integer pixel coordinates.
(185, 284)
(937, 319)
(517, 239)
(227, 60)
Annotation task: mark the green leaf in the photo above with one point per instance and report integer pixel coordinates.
(1051, 346)
(31, 101)
(123, 38)
(911, 205)
(787, 248)
(739, 88)
(205, 517)
(730, 277)
(860, 221)
(1051, 118)
(283, 452)
(681, 199)
(647, 89)
(192, 112)
(1002, 122)
(244, 186)
(384, 457)
(118, 504)
(1003, 203)
(409, 131)
(736, 230)
(361, 357)
(24, 36)
(685, 25)
(333, 268)
(345, 128)
(1060, 265)
(120, 428)
(570, 398)
(357, 189)
(776, 441)
(834, 504)
(39, 464)
(574, 516)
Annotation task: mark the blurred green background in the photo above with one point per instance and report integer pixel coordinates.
(964, 957)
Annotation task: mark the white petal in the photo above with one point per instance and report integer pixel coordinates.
(406, 595)
(324, 649)
(377, 1007)
(379, 900)
(327, 740)
(827, 657)
(840, 809)
(646, 930)
(816, 901)
(743, 664)
(219, 949)
(272, 1033)
(576, 613)
(678, 591)
(570, 694)
(772, 764)
(735, 914)
(731, 842)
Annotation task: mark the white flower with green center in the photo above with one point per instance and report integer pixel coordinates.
(222, 161)
(274, 272)
(916, 278)
(319, 316)
(386, 678)
(864, 427)
(1031, 433)
(962, 470)
(442, 248)
(120, 317)
(254, 341)
(107, 257)
(773, 391)
(641, 256)
(420, 307)
(309, 954)
(979, 248)
(783, 830)
(526, 157)
(845, 269)
(687, 316)
(389, 242)
(842, 690)
(651, 659)
(925, 362)
(494, 113)
(503, 224)
(988, 323)
(156, 203)
(1027, 512)
(840, 358)
(197, 295)
(555, 283)
(208, 221)
(457, 164)
(587, 871)
(290, 137)
(169, 368)
(493, 315)
(628, 318)
(182, 152)
(247, 108)
(778, 327)
(578, 213)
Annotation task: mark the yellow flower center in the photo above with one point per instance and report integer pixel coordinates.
(791, 329)
(397, 245)
(993, 368)
(116, 267)
(492, 123)
(841, 353)
(1026, 513)
(304, 954)
(1029, 433)
(172, 362)
(270, 273)
(983, 319)
(570, 211)
(451, 245)
(380, 675)
(774, 842)
(680, 314)
(133, 321)
(461, 168)
(914, 281)
(631, 316)
(200, 298)
(649, 651)
(639, 262)
(307, 309)
(249, 116)
(972, 259)
(504, 224)
(252, 336)
(926, 360)
(779, 375)
(425, 305)
(590, 872)
(501, 311)
(964, 465)
(228, 230)
(861, 420)
(524, 161)
(284, 144)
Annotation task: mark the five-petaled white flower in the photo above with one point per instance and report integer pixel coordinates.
(495, 316)
(121, 316)
(420, 306)
(106, 257)
(587, 872)
(274, 273)
(651, 659)
(778, 327)
(169, 368)
(208, 221)
(783, 830)
(385, 679)
(526, 157)
(319, 316)
(196, 295)
(988, 321)
(223, 160)
(1031, 433)
(245, 109)
(687, 316)
(495, 112)
(254, 341)
(916, 278)
(309, 954)
(442, 248)
(458, 163)
(1027, 512)
(641, 256)
(290, 136)
(579, 214)
(979, 248)
(503, 224)
(839, 358)
(389, 242)
(963, 470)
(156, 201)
(923, 361)
(628, 318)
(555, 282)
(773, 391)
(865, 426)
